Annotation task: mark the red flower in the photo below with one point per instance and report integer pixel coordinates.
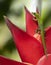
(28, 43)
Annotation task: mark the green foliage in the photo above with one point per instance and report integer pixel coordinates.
(9, 47)
(4, 8)
(47, 19)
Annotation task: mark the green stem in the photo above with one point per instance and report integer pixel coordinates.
(43, 39)
(42, 31)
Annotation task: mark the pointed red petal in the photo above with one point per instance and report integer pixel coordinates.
(29, 48)
(48, 39)
(6, 61)
(31, 24)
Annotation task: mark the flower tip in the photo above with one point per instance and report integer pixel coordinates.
(4, 17)
(7, 21)
(24, 6)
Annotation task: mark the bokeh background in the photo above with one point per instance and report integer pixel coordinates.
(14, 10)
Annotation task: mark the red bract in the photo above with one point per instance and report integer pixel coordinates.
(28, 45)
(6, 61)
(31, 24)
(45, 60)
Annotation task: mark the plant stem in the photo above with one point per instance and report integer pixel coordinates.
(40, 23)
(43, 39)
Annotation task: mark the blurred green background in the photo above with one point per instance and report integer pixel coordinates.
(14, 9)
